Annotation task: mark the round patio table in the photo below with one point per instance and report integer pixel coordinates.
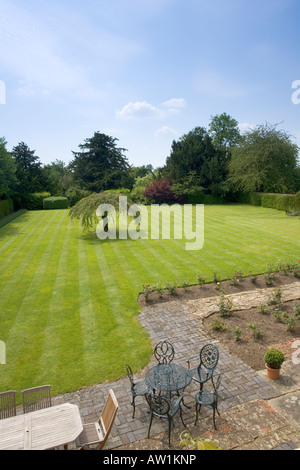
(168, 378)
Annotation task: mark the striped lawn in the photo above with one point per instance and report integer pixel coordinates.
(68, 302)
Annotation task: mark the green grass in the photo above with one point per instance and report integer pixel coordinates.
(68, 302)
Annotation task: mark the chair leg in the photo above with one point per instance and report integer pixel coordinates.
(213, 383)
(198, 408)
(180, 412)
(151, 418)
(170, 422)
(133, 404)
(214, 417)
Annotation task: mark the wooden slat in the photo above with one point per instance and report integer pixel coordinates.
(42, 429)
(27, 432)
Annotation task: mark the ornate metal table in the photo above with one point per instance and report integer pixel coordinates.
(168, 378)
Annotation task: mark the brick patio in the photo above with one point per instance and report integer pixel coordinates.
(241, 387)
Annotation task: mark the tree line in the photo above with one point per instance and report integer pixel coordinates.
(218, 161)
(99, 165)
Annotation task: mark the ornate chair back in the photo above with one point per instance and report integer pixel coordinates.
(164, 352)
(209, 357)
(159, 405)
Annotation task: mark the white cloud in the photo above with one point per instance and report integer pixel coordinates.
(139, 110)
(143, 109)
(166, 131)
(175, 103)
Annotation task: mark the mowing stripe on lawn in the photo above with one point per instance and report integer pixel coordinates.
(63, 358)
(20, 280)
(93, 324)
(24, 338)
(19, 244)
(10, 233)
(128, 338)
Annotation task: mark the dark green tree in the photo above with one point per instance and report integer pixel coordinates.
(196, 154)
(28, 170)
(265, 161)
(100, 164)
(8, 179)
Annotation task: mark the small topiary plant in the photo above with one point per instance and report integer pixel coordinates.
(274, 358)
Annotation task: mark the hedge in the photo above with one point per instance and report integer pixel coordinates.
(198, 197)
(34, 201)
(55, 203)
(6, 207)
(282, 202)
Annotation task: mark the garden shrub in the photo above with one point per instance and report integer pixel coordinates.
(160, 191)
(274, 358)
(137, 193)
(55, 203)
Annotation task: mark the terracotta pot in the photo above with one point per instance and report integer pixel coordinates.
(272, 373)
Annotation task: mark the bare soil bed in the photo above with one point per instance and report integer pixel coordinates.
(211, 289)
(251, 349)
(248, 348)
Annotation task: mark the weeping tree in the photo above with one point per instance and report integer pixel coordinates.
(264, 161)
(91, 209)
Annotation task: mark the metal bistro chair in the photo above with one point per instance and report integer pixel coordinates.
(164, 352)
(209, 358)
(165, 408)
(97, 433)
(8, 404)
(208, 398)
(137, 388)
(36, 398)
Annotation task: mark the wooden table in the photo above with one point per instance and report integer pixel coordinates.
(41, 430)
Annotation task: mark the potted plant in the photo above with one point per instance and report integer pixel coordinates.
(274, 359)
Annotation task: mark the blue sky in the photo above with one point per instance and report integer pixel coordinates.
(143, 71)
